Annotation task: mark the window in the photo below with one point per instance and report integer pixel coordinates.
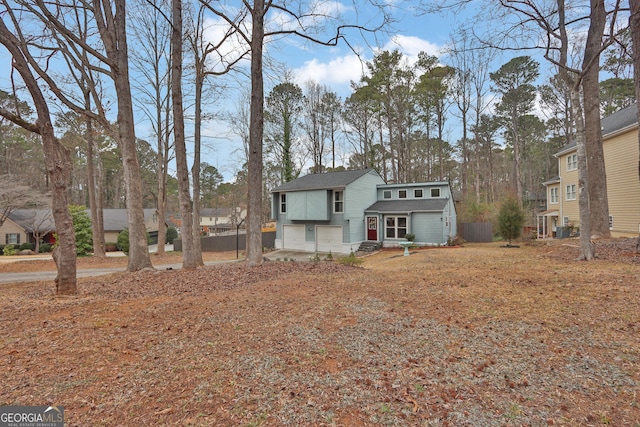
(12, 238)
(565, 221)
(417, 193)
(610, 222)
(386, 194)
(395, 227)
(402, 194)
(572, 162)
(283, 203)
(338, 201)
(553, 195)
(570, 192)
(435, 192)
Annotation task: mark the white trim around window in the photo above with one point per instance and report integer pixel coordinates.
(572, 162)
(283, 203)
(435, 193)
(570, 192)
(553, 195)
(417, 193)
(338, 202)
(396, 227)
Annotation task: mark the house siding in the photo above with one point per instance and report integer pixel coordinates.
(569, 208)
(428, 228)
(621, 159)
(358, 196)
(10, 227)
(621, 153)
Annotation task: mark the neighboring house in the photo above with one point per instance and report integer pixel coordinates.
(337, 211)
(116, 220)
(27, 226)
(24, 225)
(219, 220)
(621, 154)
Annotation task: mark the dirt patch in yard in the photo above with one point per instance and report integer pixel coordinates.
(472, 336)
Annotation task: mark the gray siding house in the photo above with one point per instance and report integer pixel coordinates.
(336, 212)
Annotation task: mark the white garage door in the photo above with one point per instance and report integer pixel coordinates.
(293, 237)
(329, 238)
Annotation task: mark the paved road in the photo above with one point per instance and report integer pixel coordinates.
(37, 276)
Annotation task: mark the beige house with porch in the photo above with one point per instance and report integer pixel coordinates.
(621, 156)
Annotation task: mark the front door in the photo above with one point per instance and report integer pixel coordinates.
(372, 228)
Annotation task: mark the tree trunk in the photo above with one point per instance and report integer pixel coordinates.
(634, 25)
(97, 234)
(254, 179)
(188, 253)
(598, 198)
(111, 23)
(587, 249)
(195, 169)
(59, 168)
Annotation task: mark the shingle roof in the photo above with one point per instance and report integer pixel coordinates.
(117, 220)
(613, 123)
(320, 181)
(425, 205)
(28, 219)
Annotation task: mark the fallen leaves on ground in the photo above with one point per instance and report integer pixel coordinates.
(472, 336)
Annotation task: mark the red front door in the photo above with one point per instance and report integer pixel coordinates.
(372, 228)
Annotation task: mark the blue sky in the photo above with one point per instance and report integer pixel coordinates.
(334, 67)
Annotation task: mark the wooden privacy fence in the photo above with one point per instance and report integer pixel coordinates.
(477, 232)
(228, 242)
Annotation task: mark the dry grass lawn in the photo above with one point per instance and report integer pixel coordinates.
(473, 336)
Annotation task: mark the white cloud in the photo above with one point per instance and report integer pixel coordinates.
(411, 46)
(339, 71)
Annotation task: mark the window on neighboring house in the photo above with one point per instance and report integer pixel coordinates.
(402, 194)
(610, 222)
(572, 162)
(570, 192)
(553, 195)
(565, 221)
(338, 201)
(417, 193)
(386, 194)
(283, 203)
(435, 192)
(395, 227)
(12, 239)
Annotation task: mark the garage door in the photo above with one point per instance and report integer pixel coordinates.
(329, 238)
(293, 237)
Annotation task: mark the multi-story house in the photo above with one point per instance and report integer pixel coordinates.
(337, 211)
(621, 156)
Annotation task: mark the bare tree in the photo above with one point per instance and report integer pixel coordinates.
(59, 22)
(302, 18)
(554, 20)
(40, 223)
(151, 59)
(208, 61)
(57, 159)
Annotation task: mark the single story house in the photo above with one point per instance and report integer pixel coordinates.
(27, 226)
(24, 225)
(116, 220)
(338, 211)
